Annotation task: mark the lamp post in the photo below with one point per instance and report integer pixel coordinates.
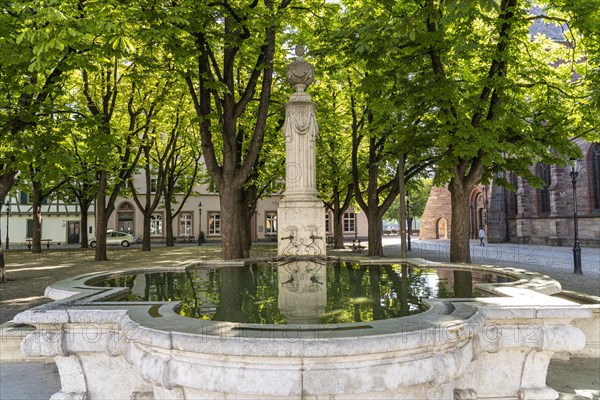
(574, 167)
(200, 223)
(408, 221)
(7, 218)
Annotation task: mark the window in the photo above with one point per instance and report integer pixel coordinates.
(349, 221)
(214, 223)
(185, 224)
(156, 225)
(125, 218)
(29, 228)
(24, 197)
(595, 186)
(327, 223)
(544, 194)
(270, 222)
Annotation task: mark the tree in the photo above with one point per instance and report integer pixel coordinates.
(222, 91)
(156, 148)
(120, 124)
(504, 99)
(42, 43)
(417, 190)
(36, 50)
(495, 98)
(334, 147)
(82, 184)
(181, 159)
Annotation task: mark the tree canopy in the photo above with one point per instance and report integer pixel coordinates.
(469, 88)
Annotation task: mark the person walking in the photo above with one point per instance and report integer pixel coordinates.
(481, 236)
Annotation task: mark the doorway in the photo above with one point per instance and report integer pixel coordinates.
(73, 232)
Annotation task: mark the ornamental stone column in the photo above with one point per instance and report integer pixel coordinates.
(301, 214)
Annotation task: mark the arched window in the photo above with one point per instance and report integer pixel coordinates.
(595, 186)
(543, 171)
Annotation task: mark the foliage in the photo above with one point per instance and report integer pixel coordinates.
(419, 193)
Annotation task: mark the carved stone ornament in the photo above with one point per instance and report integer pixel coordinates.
(300, 73)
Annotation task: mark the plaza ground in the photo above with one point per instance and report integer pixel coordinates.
(28, 275)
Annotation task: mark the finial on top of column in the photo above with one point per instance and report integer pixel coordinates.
(300, 73)
(300, 51)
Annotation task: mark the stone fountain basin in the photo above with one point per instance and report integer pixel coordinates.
(492, 347)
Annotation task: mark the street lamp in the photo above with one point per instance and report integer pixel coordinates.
(200, 223)
(408, 221)
(574, 168)
(7, 218)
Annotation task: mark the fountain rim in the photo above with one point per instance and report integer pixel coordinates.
(74, 295)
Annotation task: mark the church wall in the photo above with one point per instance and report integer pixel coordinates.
(521, 217)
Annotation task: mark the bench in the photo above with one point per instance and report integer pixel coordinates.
(357, 247)
(185, 239)
(47, 242)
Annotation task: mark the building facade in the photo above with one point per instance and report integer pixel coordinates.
(528, 215)
(61, 221)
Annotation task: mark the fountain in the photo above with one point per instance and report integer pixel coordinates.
(301, 214)
(491, 347)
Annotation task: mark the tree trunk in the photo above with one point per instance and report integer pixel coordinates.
(85, 206)
(402, 221)
(101, 218)
(146, 245)
(249, 200)
(246, 235)
(375, 231)
(338, 227)
(169, 223)
(36, 240)
(459, 229)
(338, 220)
(231, 221)
(2, 267)
(7, 180)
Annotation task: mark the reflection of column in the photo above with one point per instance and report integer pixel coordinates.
(302, 291)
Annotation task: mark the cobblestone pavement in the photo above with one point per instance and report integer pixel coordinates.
(556, 262)
(574, 378)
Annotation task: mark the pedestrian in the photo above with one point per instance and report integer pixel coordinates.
(481, 236)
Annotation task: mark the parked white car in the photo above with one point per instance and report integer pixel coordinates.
(115, 238)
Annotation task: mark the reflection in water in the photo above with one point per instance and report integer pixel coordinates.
(302, 296)
(301, 292)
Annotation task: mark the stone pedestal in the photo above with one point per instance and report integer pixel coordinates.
(301, 227)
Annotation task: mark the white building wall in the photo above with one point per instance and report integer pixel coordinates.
(55, 221)
(57, 216)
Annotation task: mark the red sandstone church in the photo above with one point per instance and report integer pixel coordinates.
(529, 215)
